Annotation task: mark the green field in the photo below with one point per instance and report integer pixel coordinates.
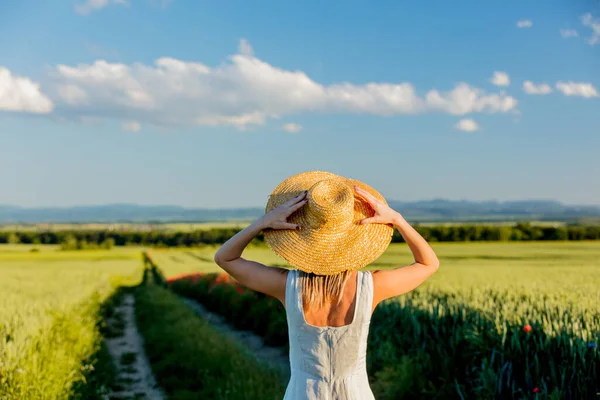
(139, 227)
(193, 226)
(547, 266)
(49, 302)
(498, 320)
(564, 272)
(566, 275)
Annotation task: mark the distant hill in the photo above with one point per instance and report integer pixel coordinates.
(464, 210)
(427, 210)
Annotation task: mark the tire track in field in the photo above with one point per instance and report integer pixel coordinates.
(134, 377)
(273, 356)
(199, 257)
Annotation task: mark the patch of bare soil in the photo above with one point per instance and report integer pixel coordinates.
(134, 379)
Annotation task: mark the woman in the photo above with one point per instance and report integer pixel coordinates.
(328, 227)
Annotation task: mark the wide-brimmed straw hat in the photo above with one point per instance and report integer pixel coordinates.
(331, 238)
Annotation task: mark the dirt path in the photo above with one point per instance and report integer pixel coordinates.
(134, 379)
(273, 356)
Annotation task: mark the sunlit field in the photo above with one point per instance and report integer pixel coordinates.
(497, 319)
(167, 227)
(548, 265)
(193, 226)
(482, 276)
(48, 305)
(49, 300)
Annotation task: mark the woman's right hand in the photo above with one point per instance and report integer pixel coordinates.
(384, 214)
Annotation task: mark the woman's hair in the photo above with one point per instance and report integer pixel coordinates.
(318, 289)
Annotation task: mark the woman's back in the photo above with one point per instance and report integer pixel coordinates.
(327, 225)
(328, 362)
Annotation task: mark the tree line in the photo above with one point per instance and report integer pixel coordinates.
(83, 239)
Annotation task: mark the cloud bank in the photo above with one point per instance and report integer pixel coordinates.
(22, 94)
(243, 91)
(240, 92)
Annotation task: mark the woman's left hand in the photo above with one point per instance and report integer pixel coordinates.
(277, 218)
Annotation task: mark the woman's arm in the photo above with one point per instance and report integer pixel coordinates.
(256, 276)
(394, 282)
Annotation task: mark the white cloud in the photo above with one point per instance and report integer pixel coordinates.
(531, 88)
(524, 23)
(465, 99)
(292, 127)
(567, 33)
(131, 126)
(22, 94)
(92, 5)
(594, 24)
(245, 48)
(373, 98)
(240, 92)
(577, 89)
(500, 78)
(72, 94)
(467, 125)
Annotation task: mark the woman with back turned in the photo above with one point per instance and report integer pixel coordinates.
(328, 227)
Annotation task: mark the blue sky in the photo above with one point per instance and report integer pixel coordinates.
(212, 104)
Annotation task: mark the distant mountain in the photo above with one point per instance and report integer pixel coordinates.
(426, 210)
(122, 213)
(464, 210)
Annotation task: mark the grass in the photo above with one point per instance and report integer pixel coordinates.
(566, 275)
(462, 332)
(50, 312)
(168, 227)
(193, 226)
(128, 358)
(470, 264)
(52, 253)
(193, 361)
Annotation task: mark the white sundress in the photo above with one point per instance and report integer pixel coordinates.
(328, 363)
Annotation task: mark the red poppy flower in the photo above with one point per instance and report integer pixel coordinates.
(239, 290)
(536, 390)
(527, 328)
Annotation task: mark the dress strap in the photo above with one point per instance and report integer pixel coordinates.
(365, 297)
(291, 295)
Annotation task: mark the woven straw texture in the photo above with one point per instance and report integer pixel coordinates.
(331, 238)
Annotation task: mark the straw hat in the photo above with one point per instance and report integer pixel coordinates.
(331, 238)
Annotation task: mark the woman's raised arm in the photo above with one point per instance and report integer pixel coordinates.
(394, 282)
(257, 276)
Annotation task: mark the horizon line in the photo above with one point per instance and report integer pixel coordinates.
(262, 206)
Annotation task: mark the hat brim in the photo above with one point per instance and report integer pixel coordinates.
(327, 252)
